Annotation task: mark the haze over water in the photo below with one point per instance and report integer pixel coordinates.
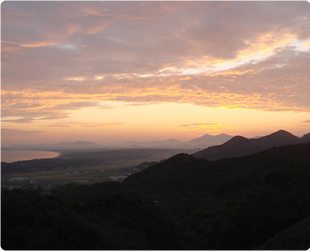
(12, 156)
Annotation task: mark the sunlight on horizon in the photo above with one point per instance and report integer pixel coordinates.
(183, 122)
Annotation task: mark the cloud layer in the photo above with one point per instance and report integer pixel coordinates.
(62, 56)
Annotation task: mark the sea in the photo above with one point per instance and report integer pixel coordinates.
(13, 155)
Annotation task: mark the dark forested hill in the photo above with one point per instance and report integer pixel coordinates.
(87, 218)
(184, 178)
(236, 203)
(239, 146)
(296, 237)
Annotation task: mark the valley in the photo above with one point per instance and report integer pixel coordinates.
(82, 166)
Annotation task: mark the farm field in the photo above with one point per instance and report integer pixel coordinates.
(83, 170)
(91, 174)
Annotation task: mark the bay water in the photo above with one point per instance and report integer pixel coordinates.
(13, 155)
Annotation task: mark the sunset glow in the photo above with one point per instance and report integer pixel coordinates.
(107, 72)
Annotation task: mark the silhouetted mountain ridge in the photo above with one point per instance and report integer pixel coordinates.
(306, 138)
(203, 141)
(278, 138)
(240, 146)
(182, 176)
(210, 139)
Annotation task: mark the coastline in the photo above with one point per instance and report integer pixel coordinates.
(15, 155)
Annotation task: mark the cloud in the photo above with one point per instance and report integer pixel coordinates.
(60, 125)
(305, 123)
(198, 126)
(74, 105)
(152, 36)
(102, 125)
(62, 56)
(20, 120)
(70, 124)
(278, 82)
(48, 110)
(38, 44)
(139, 104)
(8, 132)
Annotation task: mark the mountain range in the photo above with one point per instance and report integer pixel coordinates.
(201, 142)
(239, 146)
(197, 179)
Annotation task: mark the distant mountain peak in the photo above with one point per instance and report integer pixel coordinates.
(210, 139)
(281, 133)
(237, 139)
(278, 138)
(172, 140)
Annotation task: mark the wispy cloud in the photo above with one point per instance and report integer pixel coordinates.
(19, 120)
(305, 123)
(103, 125)
(198, 126)
(7, 132)
(77, 124)
(139, 104)
(38, 44)
(42, 110)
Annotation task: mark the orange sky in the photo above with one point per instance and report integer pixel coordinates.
(107, 72)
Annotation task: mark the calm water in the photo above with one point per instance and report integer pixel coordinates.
(11, 156)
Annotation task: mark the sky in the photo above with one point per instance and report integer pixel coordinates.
(107, 72)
